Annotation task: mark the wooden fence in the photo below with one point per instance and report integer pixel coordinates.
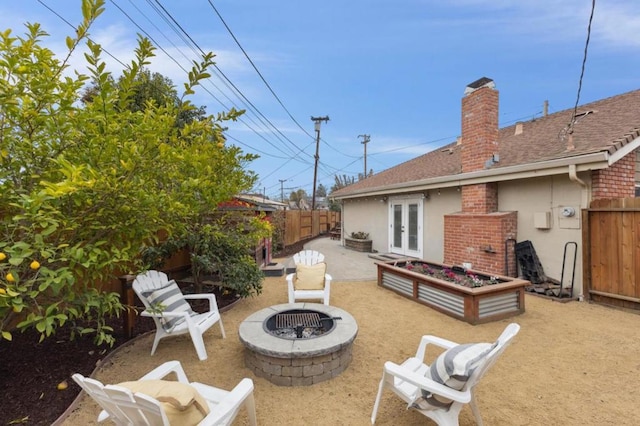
(611, 259)
(304, 224)
(298, 225)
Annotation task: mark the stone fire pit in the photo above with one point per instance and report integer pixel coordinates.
(300, 361)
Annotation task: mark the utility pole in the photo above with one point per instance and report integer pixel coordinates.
(282, 189)
(318, 121)
(365, 142)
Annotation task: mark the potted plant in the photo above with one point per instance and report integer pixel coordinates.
(359, 241)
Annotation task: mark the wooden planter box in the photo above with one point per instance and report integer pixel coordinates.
(474, 305)
(358, 245)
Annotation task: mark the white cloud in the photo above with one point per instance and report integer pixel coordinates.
(616, 22)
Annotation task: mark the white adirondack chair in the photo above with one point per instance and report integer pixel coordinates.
(124, 407)
(308, 257)
(175, 316)
(408, 379)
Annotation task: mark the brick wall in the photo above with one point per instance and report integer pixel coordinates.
(480, 240)
(618, 181)
(481, 198)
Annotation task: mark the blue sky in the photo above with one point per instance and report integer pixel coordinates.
(395, 69)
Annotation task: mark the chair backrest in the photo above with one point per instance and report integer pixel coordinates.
(170, 297)
(503, 341)
(149, 281)
(308, 257)
(123, 406)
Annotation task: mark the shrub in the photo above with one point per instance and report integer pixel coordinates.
(360, 235)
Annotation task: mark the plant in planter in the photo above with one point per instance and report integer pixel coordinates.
(454, 274)
(471, 296)
(358, 241)
(360, 235)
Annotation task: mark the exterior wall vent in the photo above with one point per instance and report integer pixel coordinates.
(519, 128)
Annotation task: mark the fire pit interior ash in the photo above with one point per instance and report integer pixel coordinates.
(299, 324)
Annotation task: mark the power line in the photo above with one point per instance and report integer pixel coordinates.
(295, 155)
(237, 90)
(584, 61)
(88, 38)
(256, 69)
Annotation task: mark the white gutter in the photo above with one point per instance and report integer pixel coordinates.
(593, 161)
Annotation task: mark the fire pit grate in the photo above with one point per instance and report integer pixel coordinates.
(299, 324)
(306, 319)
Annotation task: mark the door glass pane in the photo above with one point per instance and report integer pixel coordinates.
(397, 225)
(413, 227)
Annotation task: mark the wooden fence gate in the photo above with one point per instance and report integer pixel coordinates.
(611, 236)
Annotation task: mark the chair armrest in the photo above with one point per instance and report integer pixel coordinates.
(200, 296)
(213, 304)
(230, 403)
(422, 382)
(290, 277)
(163, 314)
(164, 370)
(434, 340)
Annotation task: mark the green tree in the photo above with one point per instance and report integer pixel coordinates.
(151, 87)
(341, 181)
(321, 191)
(83, 187)
(299, 197)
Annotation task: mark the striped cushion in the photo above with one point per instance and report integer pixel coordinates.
(169, 299)
(452, 368)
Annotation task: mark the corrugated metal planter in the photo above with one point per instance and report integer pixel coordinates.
(475, 305)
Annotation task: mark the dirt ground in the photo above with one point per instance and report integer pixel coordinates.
(572, 363)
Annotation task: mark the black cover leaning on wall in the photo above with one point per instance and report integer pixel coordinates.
(530, 266)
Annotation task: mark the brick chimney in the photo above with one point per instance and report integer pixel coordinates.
(479, 143)
(479, 124)
(477, 234)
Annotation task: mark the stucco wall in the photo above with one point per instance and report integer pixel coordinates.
(367, 215)
(532, 199)
(439, 204)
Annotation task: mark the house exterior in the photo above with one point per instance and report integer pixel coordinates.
(473, 199)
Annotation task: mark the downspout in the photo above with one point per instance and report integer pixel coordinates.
(573, 176)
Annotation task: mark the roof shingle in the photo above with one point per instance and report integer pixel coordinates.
(602, 126)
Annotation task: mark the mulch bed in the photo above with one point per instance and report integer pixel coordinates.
(30, 371)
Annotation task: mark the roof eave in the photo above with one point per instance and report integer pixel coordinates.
(593, 161)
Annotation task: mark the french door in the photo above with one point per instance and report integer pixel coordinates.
(405, 226)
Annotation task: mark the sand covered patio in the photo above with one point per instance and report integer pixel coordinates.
(570, 364)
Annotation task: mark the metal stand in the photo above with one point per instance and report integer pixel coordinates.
(573, 274)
